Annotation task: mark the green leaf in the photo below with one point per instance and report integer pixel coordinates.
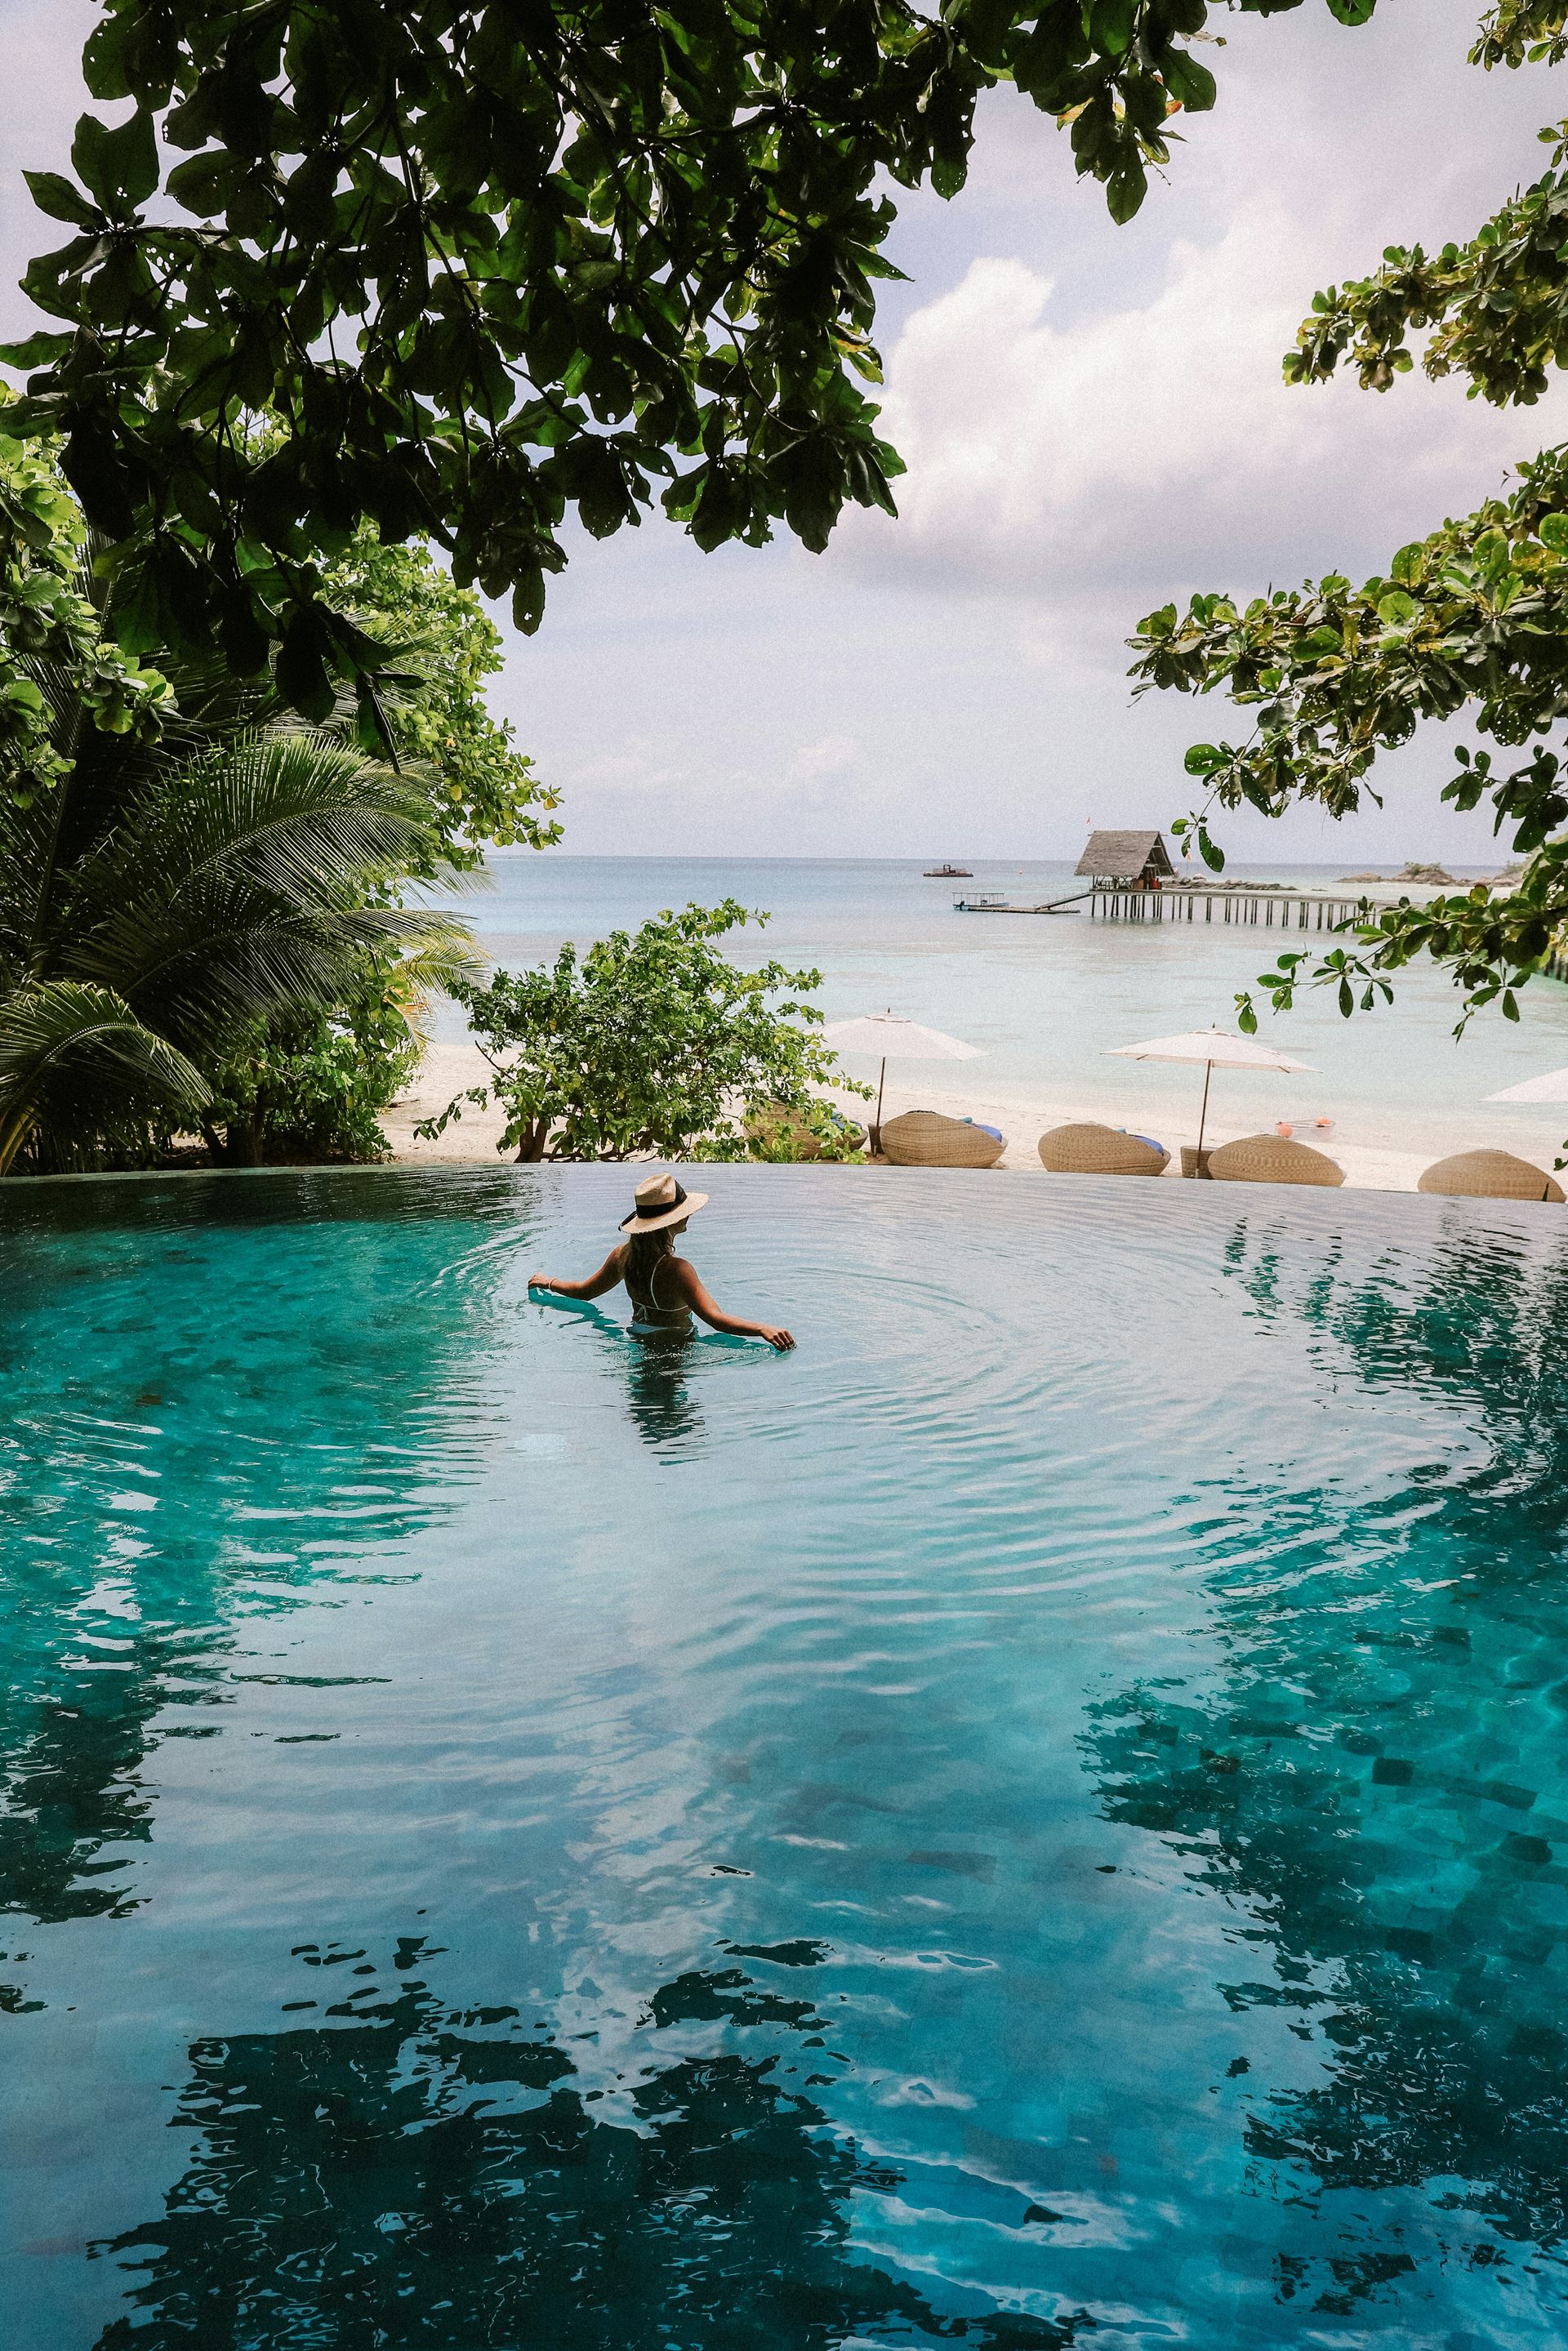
(103, 60)
(41, 349)
(1112, 24)
(303, 680)
(119, 166)
(60, 199)
(206, 184)
(1191, 83)
(1125, 189)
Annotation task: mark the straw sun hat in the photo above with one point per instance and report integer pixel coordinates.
(662, 1201)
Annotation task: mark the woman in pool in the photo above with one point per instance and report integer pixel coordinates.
(665, 1290)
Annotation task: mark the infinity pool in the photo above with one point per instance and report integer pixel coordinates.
(1039, 1819)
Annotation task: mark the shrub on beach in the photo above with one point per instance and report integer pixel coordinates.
(651, 1041)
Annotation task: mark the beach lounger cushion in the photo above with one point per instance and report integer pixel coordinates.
(1271, 1159)
(924, 1138)
(1086, 1149)
(1489, 1175)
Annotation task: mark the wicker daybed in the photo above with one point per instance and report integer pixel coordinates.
(1271, 1159)
(1086, 1149)
(924, 1138)
(1489, 1175)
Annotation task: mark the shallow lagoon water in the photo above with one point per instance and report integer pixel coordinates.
(1039, 1819)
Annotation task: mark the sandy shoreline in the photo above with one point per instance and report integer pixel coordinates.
(1388, 1158)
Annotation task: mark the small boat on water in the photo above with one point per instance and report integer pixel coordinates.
(948, 873)
(988, 903)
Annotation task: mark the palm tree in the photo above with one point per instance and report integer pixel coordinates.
(164, 893)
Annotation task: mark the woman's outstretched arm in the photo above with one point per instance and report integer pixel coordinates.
(688, 1282)
(609, 1274)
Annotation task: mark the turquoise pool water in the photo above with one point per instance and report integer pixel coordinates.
(1039, 1819)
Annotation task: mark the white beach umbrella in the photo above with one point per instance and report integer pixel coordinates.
(1552, 1088)
(1216, 1049)
(888, 1037)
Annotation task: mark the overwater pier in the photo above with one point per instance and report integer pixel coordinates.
(1285, 910)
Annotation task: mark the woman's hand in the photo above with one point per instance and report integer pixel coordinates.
(540, 1281)
(778, 1339)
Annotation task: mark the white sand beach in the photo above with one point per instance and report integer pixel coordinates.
(1384, 1153)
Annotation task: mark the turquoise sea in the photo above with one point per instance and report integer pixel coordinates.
(1044, 997)
(1039, 1820)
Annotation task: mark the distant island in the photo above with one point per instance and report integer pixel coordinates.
(1435, 876)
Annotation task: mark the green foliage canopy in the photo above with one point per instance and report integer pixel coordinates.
(483, 788)
(91, 739)
(308, 1085)
(45, 618)
(1474, 616)
(487, 263)
(161, 899)
(653, 1042)
(431, 708)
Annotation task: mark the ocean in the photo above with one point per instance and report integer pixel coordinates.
(1045, 997)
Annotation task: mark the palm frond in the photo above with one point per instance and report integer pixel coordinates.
(274, 829)
(61, 1030)
(298, 816)
(233, 954)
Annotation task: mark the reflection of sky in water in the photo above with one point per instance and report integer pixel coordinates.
(1045, 1806)
(1046, 997)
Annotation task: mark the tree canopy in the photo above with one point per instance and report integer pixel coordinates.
(198, 902)
(431, 707)
(488, 263)
(1474, 616)
(481, 788)
(160, 902)
(47, 619)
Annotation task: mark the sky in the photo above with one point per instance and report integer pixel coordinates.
(1094, 422)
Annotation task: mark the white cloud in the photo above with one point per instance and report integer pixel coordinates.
(1156, 444)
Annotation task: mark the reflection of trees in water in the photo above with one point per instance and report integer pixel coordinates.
(425, 2176)
(1378, 1783)
(114, 1619)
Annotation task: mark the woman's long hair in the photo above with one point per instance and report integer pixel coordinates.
(648, 1250)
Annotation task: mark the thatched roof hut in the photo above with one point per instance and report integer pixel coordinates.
(1126, 857)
